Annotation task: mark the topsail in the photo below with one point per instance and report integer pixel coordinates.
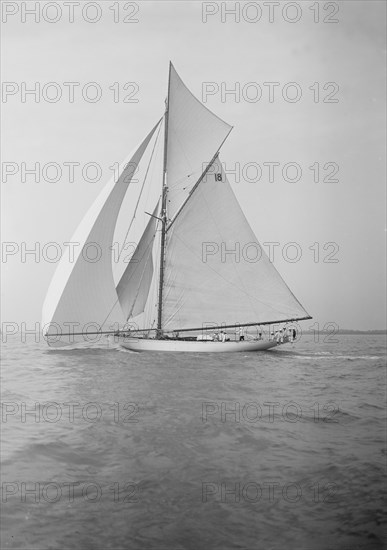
(195, 134)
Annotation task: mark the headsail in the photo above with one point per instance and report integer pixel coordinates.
(135, 283)
(215, 269)
(195, 134)
(82, 295)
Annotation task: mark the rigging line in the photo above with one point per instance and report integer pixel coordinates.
(194, 187)
(142, 188)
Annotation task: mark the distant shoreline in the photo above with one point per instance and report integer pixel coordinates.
(348, 331)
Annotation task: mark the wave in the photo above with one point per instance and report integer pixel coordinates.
(81, 348)
(329, 355)
(125, 350)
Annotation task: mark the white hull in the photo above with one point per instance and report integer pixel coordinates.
(145, 344)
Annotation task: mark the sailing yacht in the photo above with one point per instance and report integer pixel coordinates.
(197, 268)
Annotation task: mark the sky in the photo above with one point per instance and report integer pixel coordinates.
(335, 131)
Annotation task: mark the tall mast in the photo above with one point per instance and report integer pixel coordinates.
(163, 213)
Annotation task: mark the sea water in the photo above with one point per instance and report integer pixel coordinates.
(104, 448)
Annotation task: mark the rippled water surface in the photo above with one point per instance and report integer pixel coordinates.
(108, 449)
